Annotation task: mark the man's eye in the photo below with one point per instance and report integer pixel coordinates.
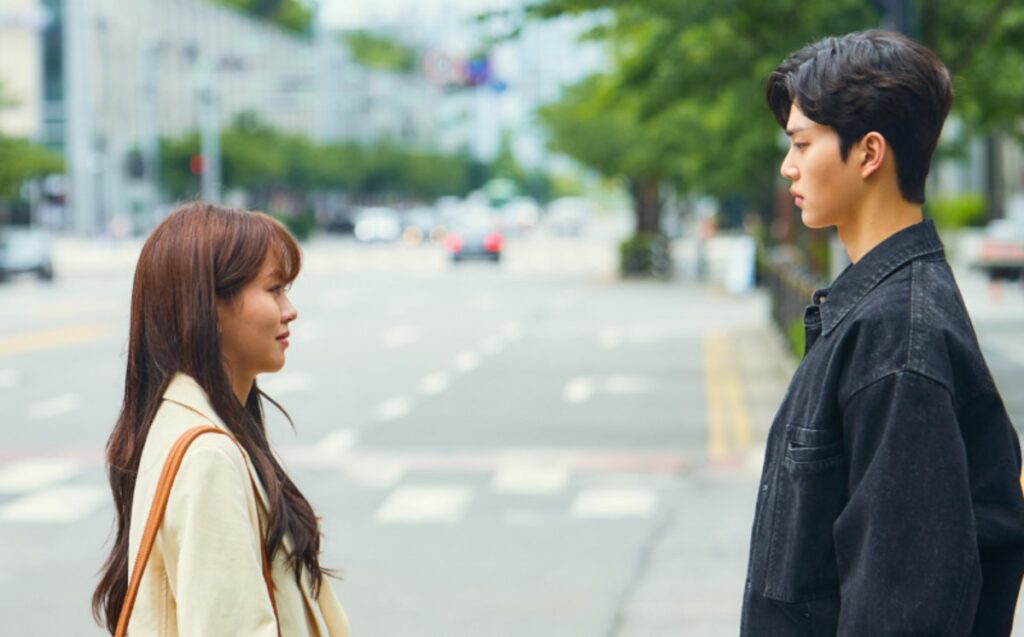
(277, 289)
(800, 145)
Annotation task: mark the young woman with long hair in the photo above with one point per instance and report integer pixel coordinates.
(209, 312)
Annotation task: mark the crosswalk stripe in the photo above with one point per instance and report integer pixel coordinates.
(56, 406)
(33, 473)
(394, 409)
(615, 503)
(518, 477)
(424, 504)
(58, 505)
(286, 383)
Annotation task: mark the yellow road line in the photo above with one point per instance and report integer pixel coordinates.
(725, 404)
(53, 338)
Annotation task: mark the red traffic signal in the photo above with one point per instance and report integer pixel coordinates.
(196, 164)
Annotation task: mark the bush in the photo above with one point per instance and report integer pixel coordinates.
(795, 338)
(645, 254)
(300, 224)
(958, 211)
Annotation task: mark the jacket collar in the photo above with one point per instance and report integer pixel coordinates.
(185, 390)
(909, 244)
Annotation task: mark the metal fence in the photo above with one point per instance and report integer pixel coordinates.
(791, 289)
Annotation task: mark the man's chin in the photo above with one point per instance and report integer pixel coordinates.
(813, 222)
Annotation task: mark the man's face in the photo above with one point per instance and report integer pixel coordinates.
(827, 189)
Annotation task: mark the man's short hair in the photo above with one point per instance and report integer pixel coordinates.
(870, 81)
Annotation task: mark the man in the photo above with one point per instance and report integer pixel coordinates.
(890, 501)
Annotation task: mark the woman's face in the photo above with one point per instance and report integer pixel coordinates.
(254, 325)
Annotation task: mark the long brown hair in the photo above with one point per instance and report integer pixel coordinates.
(198, 255)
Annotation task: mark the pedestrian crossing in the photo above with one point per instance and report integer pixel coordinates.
(383, 489)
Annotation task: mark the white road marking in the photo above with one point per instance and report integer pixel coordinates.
(433, 504)
(394, 409)
(513, 332)
(621, 384)
(615, 503)
(578, 390)
(286, 383)
(491, 345)
(467, 361)
(519, 477)
(9, 378)
(610, 338)
(400, 335)
(26, 475)
(61, 505)
(378, 473)
(56, 406)
(338, 442)
(435, 384)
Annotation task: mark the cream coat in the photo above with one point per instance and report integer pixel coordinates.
(204, 576)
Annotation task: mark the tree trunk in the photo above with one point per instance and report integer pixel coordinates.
(646, 194)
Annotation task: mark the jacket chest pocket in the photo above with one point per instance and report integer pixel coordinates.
(810, 491)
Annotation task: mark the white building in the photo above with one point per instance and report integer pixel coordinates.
(137, 71)
(21, 68)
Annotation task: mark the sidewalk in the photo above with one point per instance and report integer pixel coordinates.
(691, 580)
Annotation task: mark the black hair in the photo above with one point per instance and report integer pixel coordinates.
(870, 81)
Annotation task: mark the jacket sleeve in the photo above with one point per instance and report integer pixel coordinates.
(212, 547)
(906, 542)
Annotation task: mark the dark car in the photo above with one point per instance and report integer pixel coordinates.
(474, 236)
(25, 250)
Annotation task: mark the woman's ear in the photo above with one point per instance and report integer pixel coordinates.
(871, 149)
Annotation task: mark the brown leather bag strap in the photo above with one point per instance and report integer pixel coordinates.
(156, 516)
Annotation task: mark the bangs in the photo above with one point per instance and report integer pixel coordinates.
(283, 246)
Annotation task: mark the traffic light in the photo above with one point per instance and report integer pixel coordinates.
(196, 165)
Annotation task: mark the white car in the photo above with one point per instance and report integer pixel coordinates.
(378, 224)
(25, 250)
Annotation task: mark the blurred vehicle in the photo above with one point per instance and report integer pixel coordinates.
(378, 223)
(26, 250)
(420, 225)
(474, 236)
(1001, 254)
(568, 216)
(520, 215)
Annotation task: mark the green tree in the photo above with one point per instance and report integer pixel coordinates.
(381, 52)
(705, 63)
(290, 15)
(21, 159)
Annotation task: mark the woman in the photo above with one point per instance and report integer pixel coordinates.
(209, 312)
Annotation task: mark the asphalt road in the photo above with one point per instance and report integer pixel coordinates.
(534, 448)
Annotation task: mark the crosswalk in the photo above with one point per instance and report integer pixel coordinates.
(390, 488)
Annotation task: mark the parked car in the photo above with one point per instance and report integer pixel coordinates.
(378, 223)
(474, 236)
(1001, 254)
(26, 250)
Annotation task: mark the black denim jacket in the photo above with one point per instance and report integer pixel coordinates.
(890, 501)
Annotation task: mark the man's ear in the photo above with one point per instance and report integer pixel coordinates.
(871, 151)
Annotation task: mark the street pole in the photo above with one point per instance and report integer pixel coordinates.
(78, 29)
(209, 133)
(150, 128)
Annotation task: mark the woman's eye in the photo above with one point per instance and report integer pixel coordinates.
(800, 146)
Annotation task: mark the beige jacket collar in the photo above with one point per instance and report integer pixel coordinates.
(186, 391)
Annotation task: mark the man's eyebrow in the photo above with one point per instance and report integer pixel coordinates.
(793, 131)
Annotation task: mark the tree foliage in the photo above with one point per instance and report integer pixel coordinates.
(264, 161)
(378, 51)
(290, 15)
(682, 100)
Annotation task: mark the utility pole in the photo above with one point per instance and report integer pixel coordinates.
(209, 131)
(78, 32)
(150, 126)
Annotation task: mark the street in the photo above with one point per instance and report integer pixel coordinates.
(532, 448)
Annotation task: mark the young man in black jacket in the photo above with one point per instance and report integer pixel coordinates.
(890, 501)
